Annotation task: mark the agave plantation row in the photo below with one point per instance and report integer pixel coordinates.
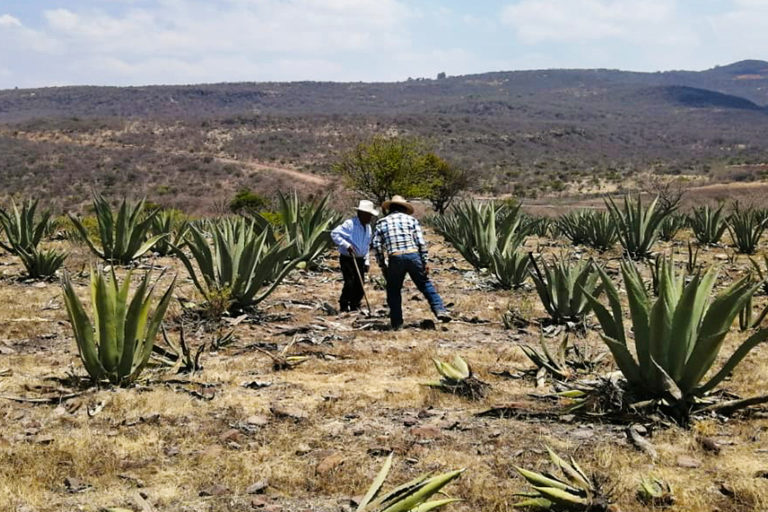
(666, 360)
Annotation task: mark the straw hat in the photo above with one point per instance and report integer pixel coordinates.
(398, 200)
(367, 207)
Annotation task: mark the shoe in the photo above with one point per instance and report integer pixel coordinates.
(443, 316)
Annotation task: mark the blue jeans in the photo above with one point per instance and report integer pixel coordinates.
(412, 265)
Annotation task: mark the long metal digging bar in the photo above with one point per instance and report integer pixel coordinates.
(362, 285)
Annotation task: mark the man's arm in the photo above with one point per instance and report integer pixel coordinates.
(378, 250)
(418, 237)
(342, 235)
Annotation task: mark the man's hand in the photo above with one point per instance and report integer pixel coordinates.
(351, 251)
(426, 270)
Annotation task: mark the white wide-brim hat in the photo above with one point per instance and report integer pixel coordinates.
(367, 207)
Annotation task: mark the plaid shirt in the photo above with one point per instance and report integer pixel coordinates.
(398, 232)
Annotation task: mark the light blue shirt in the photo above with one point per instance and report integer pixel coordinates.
(352, 233)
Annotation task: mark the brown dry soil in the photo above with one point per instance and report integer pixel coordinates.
(313, 438)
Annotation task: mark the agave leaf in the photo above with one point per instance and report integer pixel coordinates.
(435, 504)
(429, 487)
(541, 503)
(462, 366)
(572, 474)
(541, 480)
(373, 490)
(561, 497)
(751, 342)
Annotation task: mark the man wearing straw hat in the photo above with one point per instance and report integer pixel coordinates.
(353, 238)
(400, 249)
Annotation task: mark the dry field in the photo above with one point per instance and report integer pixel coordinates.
(240, 436)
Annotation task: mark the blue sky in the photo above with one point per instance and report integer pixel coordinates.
(137, 42)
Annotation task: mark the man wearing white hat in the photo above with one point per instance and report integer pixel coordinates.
(353, 239)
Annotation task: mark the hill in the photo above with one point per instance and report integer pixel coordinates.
(525, 132)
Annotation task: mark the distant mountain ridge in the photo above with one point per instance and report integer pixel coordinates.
(741, 85)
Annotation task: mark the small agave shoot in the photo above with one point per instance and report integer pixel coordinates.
(117, 345)
(413, 496)
(638, 227)
(457, 378)
(563, 286)
(708, 224)
(304, 225)
(570, 490)
(123, 236)
(282, 361)
(178, 356)
(746, 228)
(677, 336)
(244, 264)
(23, 232)
(762, 273)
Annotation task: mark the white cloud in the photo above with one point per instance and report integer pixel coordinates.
(644, 21)
(6, 20)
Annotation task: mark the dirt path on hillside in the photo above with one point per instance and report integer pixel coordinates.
(250, 164)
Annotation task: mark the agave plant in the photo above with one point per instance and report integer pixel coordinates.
(537, 225)
(708, 224)
(762, 273)
(23, 233)
(562, 288)
(306, 226)
(23, 229)
(573, 226)
(746, 228)
(571, 490)
(170, 228)
(601, 231)
(178, 356)
(412, 496)
(123, 237)
(671, 225)
(480, 230)
(638, 227)
(678, 336)
(244, 264)
(41, 264)
(118, 343)
(457, 378)
(510, 269)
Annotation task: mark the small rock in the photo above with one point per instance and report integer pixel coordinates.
(257, 488)
(709, 445)
(273, 508)
(74, 485)
(259, 502)
(214, 490)
(232, 435)
(330, 463)
(763, 473)
(171, 451)
(727, 489)
(426, 432)
(257, 420)
(303, 449)
(287, 413)
(684, 461)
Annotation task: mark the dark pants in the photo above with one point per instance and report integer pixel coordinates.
(397, 268)
(352, 292)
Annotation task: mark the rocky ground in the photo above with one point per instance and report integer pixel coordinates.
(240, 436)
